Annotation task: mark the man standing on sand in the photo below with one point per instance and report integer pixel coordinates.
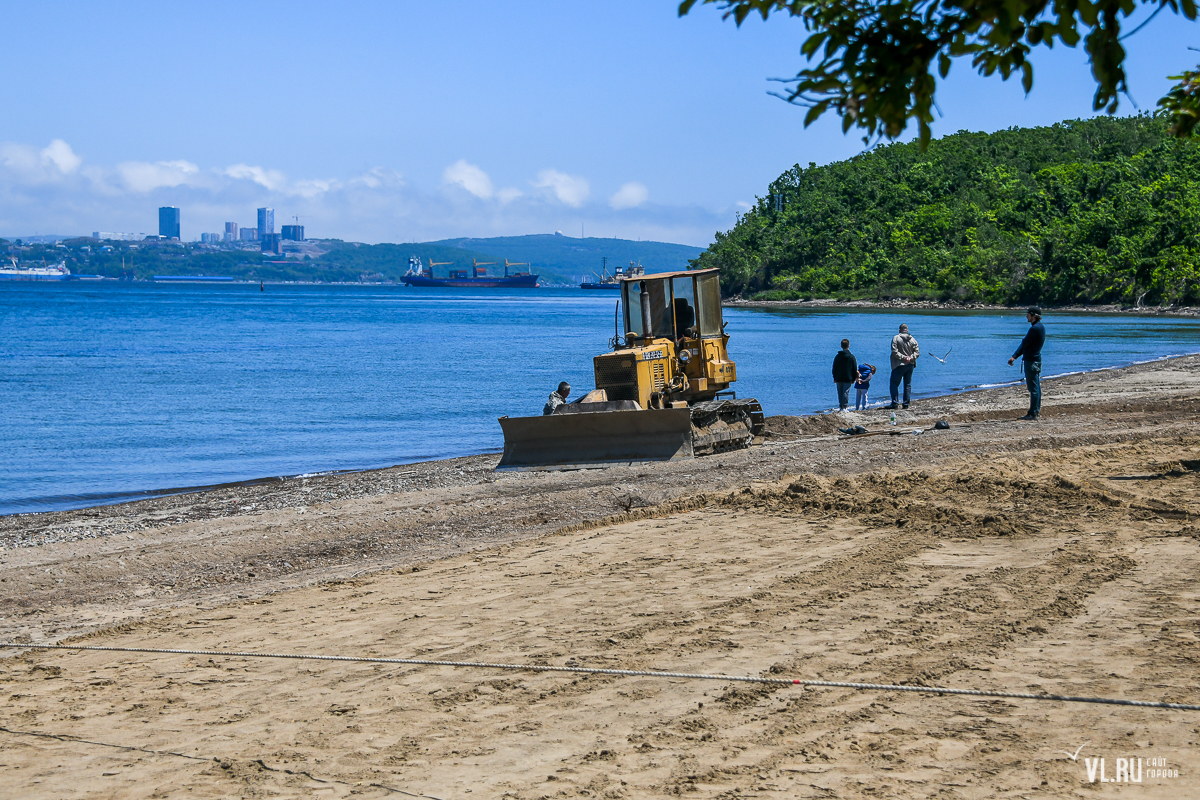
(905, 352)
(1030, 351)
(845, 372)
(557, 398)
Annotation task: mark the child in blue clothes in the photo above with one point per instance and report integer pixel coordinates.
(863, 384)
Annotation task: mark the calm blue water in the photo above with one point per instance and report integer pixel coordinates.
(108, 391)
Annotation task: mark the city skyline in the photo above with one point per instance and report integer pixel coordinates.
(610, 119)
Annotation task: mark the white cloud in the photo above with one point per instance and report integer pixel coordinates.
(377, 177)
(631, 195)
(141, 176)
(312, 188)
(270, 179)
(32, 166)
(60, 154)
(51, 188)
(569, 189)
(469, 177)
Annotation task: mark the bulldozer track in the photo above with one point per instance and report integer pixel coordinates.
(719, 426)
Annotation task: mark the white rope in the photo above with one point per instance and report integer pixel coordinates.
(622, 672)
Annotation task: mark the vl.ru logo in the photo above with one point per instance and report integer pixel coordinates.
(1128, 770)
(1125, 773)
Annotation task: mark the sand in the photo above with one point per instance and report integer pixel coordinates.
(1056, 557)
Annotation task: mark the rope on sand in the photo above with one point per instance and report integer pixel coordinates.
(420, 662)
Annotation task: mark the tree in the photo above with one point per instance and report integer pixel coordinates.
(874, 57)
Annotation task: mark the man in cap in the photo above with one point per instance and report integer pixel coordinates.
(557, 398)
(905, 352)
(1030, 351)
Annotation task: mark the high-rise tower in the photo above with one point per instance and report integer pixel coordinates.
(168, 222)
(266, 221)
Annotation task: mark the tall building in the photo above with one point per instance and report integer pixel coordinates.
(231, 231)
(168, 222)
(266, 221)
(269, 243)
(292, 233)
(248, 234)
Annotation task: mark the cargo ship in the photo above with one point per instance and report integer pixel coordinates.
(614, 281)
(476, 278)
(58, 272)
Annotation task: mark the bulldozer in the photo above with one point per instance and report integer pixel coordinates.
(662, 393)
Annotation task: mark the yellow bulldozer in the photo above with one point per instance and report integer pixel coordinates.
(662, 392)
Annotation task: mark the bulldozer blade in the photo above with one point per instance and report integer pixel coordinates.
(592, 440)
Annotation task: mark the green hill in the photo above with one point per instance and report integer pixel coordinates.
(564, 259)
(330, 261)
(1105, 210)
(558, 259)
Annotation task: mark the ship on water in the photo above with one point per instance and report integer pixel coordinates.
(477, 278)
(614, 281)
(15, 272)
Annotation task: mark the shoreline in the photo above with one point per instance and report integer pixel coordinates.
(143, 495)
(1054, 557)
(934, 305)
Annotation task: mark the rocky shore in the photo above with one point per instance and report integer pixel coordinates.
(911, 305)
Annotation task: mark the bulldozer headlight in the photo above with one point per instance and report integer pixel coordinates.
(684, 356)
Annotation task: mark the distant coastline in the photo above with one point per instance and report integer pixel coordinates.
(933, 305)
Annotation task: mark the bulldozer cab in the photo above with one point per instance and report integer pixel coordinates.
(672, 305)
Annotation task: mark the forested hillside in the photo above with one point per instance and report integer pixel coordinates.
(581, 259)
(1105, 210)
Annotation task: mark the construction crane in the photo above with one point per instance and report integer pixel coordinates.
(508, 264)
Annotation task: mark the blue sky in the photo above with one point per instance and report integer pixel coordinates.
(399, 121)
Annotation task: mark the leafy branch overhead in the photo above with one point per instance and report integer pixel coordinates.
(872, 61)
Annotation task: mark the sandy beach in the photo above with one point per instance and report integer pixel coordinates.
(1050, 557)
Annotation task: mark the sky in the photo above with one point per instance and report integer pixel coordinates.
(410, 121)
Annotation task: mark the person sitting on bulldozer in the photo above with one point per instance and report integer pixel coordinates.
(557, 398)
(685, 319)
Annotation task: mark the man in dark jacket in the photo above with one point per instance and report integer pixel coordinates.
(1031, 354)
(845, 372)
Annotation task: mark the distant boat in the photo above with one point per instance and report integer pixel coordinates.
(614, 281)
(420, 275)
(58, 272)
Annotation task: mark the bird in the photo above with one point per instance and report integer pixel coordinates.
(943, 358)
(1075, 756)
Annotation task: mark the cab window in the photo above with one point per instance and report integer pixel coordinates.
(661, 323)
(709, 289)
(684, 307)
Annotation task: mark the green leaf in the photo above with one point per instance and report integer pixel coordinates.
(813, 42)
(943, 64)
(1027, 77)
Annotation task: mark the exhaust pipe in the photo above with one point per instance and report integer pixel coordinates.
(646, 328)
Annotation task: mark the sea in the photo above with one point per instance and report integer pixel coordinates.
(118, 391)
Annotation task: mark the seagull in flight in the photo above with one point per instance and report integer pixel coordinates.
(1075, 756)
(943, 358)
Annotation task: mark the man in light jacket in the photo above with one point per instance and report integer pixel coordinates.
(905, 352)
